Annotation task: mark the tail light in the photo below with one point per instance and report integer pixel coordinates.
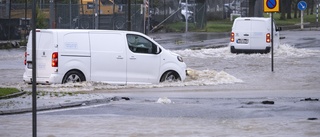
(232, 37)
(54, 62)
(268, 39)
(25, 58)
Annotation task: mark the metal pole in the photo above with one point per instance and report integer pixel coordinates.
(52, 15)
(129, 15)
(25, 20)
(144, 16)
(272, 41)
(9, 25)
(317, 20)
(148, 16)
(34, 71)
(302, 19)
(70, 14)
(186, 16)
(96, 20)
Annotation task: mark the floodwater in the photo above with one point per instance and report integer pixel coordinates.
(213, 66)
(298, 52)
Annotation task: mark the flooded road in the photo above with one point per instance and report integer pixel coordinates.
(297, 55)
(221, 98)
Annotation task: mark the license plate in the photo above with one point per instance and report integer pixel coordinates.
(29, 65)
(242, 41)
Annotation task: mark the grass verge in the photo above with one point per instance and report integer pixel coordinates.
(226, 25)
(7, 91)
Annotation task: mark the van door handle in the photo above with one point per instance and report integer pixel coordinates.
(245, 34)
(119, 57)
(132, 58)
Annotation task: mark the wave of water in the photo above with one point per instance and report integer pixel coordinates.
(284, 50)
(196, 78)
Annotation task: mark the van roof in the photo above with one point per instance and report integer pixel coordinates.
(252, 18)
(86, 30)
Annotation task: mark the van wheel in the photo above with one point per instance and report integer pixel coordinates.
(73, 77)
(170, 76)
(233, 50)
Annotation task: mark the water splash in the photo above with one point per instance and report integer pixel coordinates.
(196, 78)
(284, 50)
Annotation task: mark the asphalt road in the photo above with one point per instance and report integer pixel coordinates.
(286, 113)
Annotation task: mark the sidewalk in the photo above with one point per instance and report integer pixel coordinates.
(51, 100)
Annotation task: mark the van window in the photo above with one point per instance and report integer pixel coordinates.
(139, 44)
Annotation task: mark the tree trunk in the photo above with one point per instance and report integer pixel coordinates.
(295, 5)
(311, 7)
(252, 4)
(288, 7)
(283, 4)
(308, 7)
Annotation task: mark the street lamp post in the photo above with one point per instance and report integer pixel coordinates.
(129, 15)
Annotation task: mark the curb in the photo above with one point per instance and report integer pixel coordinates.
(13, 95)
(58, 106)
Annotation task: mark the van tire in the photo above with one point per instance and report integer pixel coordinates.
(170, 76)
(73, 76)
(232, 49)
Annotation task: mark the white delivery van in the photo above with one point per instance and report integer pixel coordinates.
(115, 57)
(253, 34)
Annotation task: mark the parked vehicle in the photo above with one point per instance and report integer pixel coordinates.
(238, 7)
(253, 34)
(110, 14)
(187, 10)
(110, 56)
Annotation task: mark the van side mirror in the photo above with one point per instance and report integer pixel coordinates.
(158, 50)
(155, 49)
(278, 29)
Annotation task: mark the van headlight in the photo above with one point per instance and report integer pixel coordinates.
(180, 58)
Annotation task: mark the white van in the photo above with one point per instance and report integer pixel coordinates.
(115, 57)
(253, 34)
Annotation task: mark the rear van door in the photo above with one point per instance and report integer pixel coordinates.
(259, 30)
(28, 67)
(45, 48)
(250, 34)
(242, 30)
